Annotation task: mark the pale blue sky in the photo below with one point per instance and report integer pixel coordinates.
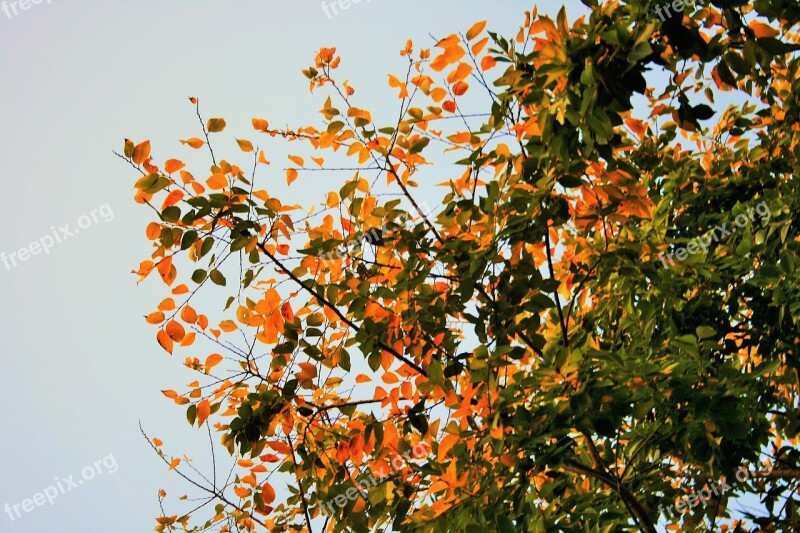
(79, 365)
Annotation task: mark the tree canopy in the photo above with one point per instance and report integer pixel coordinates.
(594, 328)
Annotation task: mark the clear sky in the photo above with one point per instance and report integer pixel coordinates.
(79, 366)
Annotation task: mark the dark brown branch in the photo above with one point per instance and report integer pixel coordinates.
(555, 292)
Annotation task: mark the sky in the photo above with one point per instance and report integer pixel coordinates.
(79, 366)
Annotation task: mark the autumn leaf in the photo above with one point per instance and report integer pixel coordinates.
(215, 125)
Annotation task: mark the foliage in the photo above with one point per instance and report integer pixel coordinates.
(529, 332)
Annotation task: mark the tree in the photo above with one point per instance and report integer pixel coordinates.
(595, 326)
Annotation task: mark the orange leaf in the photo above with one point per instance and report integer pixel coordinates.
(217, 181)
(164, 340)
(244, 145)
(213, 360)
(173, 165)
(194, 142)
(227, 326)
(475, 30)
(153, 230)
(297, 160)
(460, 88)
(260, 124)
(268, 493)
(157, 441)
(262, 158)
(762, 30)
(242, 492)
(487, 63)
(171, 394)
(279, 447)
(363, 378)
(172, 198)
(174, 464)
(291, 175)
(155, 318)
(395, 82)
(180, 289)
(141, 153)
(175, 331)
(286, 312)
(203, 410)
(188, 314)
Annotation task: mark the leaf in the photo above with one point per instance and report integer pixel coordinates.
(165, 341)
(213, 360)
(475, 30)
(291, 175)
(173, 165)
(217, 182)
(763, 30)
(244, 145)
(203, 412)
(215, 125)
(141, 153)
(217, 278)
(267, 493)
(260, 124)
(194, 142)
